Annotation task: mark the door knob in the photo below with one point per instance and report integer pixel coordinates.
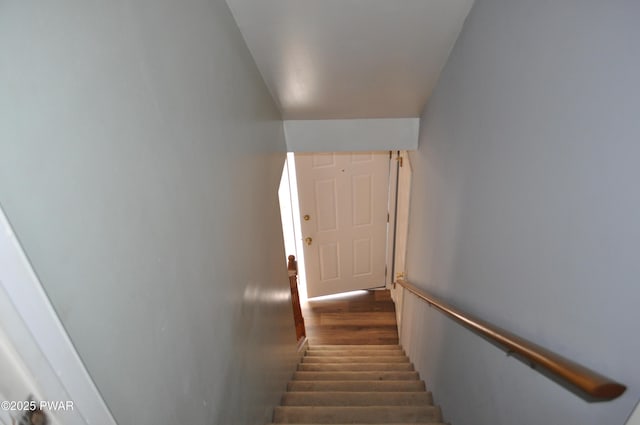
(308, 240)
(306, 217)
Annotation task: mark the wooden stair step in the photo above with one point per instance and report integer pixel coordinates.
(357, 359)
(354, 367)
(353, 353)
(356, 398)
(355, 414)
(373, 386)
(356, 385)
(356, 347)
(352, 376)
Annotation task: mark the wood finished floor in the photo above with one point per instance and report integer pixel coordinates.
(366, 318)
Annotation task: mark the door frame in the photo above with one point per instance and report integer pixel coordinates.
(290, 216)
(401, 218)
(401, 213)
(391, 222)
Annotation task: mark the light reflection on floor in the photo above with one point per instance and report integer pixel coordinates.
(338, 296)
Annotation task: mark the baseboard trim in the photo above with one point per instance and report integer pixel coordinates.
(43, 347)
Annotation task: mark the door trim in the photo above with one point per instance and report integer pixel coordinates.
(402, 210)
(392, 210)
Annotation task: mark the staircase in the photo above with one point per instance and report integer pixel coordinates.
(356, 384)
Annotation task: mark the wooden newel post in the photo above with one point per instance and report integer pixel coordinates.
(295, 297)
(293, 265)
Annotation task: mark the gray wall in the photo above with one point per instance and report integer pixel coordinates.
(526, 209)
(140, 155)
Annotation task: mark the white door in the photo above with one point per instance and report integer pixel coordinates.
(343, 205)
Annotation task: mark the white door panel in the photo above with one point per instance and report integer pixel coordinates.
(344, 197)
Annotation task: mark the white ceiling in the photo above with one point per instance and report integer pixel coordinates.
(326, 59)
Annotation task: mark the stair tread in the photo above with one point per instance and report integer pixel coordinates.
(354, 367)
(354, 353)
(354, 348)
(355, 359)
(364, 385)
(369, 346)
(356, 398)
(356, 414)
(426, 408)
(368, 376)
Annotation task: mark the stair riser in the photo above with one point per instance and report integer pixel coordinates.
(360, 359)
(353, 353)
(339, 398)
(353, 367)
(369, 414)
(356, 347)
(375, 386)
(355, 376)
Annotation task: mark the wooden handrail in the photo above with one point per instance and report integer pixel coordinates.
(586, 381)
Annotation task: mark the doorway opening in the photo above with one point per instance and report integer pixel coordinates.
(290, 214)
(339, 218)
